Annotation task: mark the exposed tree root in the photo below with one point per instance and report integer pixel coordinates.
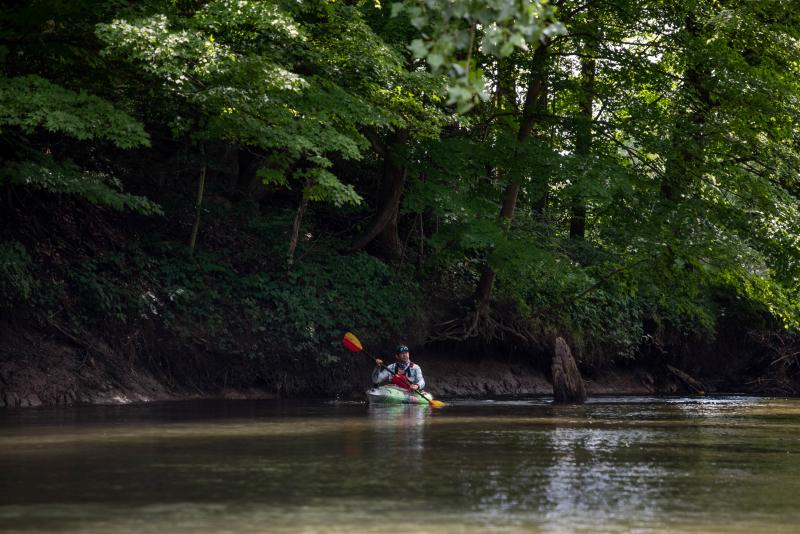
(483, 324)
(784, 346)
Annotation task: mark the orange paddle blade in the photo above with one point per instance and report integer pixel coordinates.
(351, 342)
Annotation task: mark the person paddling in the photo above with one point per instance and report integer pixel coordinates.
(403, 373)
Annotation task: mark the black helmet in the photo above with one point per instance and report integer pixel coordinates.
(400, 348)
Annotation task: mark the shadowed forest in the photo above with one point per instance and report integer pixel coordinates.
(200, 197)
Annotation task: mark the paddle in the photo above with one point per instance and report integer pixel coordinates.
(351, 343)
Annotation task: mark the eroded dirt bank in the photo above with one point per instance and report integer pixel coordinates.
(38, 369)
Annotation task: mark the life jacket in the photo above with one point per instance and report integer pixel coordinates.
(403, 380)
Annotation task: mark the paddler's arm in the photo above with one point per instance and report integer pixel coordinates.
(417, 378)
(380, 375)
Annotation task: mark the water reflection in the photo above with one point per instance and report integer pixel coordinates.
(399, 430)
(623, 465)
(398, 415)
(592, 474)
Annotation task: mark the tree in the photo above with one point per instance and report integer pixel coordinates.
(38, 47)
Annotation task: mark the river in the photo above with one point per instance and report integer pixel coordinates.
(717, 464)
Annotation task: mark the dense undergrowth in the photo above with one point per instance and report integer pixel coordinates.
(236, 299)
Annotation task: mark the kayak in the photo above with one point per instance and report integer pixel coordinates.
(395, 395)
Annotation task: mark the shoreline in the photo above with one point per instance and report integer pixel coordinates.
(39, 368)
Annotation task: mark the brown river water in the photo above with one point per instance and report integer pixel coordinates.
(634, 464)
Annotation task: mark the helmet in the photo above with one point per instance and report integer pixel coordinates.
(401, 348)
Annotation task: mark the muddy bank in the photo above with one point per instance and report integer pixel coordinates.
(38, 369)
(448, 377)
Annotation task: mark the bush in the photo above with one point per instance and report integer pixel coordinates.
(299, 312)
(16, 280)
(107, 287)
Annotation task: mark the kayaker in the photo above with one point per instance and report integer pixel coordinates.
(410, 374)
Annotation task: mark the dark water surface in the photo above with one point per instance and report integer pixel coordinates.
(615, 464)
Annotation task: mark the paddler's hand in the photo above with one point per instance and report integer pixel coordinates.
(378, 362)
(415, 387)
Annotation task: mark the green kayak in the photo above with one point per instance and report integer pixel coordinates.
(395, 395)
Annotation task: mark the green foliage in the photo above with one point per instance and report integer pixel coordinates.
(31, 102)
(451, 30)
(301, 82)
(65, 177)
(268, 314)
(604, 327)
(326, 187)
(17, 281)
(301, 313)
(106, 290)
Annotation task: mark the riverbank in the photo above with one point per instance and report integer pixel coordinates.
(107, 312)
(52, 368)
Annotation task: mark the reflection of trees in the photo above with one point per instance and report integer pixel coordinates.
(562, 477)
(511, 484)
(594, 475)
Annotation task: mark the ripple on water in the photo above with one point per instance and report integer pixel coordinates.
(727, 464)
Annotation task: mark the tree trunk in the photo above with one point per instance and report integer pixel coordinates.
(567, 381)
(583, 132)
(201, 185)
(248, 184)
(298, 220)
(687, 155)
(530, 116)
(421, 253)
(695, 386)
(384, 228)
(505, 91)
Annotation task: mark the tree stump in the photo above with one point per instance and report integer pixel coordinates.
(694, 386)
(567, 381)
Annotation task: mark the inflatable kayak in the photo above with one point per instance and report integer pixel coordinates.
(395, 395)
